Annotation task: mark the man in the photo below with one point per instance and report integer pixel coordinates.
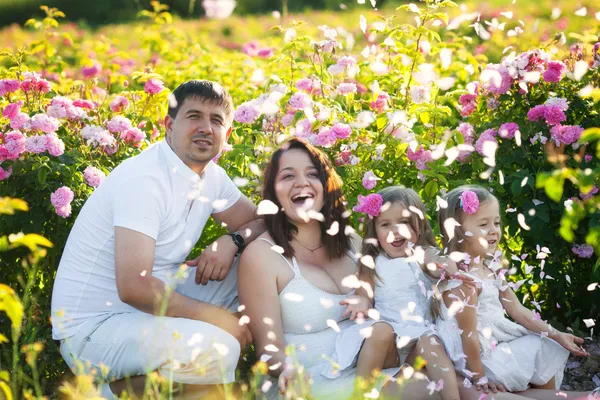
(120, 298)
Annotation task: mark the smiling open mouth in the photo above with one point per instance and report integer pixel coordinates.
(398, 243)
(302, 198)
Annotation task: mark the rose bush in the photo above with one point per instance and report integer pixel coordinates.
(431, 100)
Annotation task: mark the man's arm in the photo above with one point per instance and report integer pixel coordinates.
(216, 260)
(136, 286)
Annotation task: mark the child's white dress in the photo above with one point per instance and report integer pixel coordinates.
(401, 300)
(510, 354)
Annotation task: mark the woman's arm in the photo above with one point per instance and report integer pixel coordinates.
(257, 287)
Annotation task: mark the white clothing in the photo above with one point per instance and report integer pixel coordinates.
(136, 343)
(401, 300)
(511, 355)
(156, 194)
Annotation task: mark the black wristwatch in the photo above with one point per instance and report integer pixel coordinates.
(238, 240)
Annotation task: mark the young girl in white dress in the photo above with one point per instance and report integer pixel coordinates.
(490, 350)
(400, 241)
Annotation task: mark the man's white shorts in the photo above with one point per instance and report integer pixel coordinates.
(184, 350)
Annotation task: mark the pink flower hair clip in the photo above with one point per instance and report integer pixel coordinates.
(370, 205)
(469, 202)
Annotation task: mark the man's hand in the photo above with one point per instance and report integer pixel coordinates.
(356, 306)
(215, 261)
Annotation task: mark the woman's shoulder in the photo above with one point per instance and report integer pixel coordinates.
(261, 254)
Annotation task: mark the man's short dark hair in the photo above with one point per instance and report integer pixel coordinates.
(201, 90)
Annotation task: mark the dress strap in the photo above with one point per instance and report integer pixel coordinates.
(293, 266)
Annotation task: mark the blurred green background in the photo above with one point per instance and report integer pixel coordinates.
(100, 12)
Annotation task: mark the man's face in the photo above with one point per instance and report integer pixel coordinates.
(198, 132)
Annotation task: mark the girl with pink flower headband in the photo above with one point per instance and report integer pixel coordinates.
(397, 270)
(494, 354)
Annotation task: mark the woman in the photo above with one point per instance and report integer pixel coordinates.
(291, 279)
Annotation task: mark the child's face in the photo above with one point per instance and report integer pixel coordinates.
(394, 231)
(482, 230)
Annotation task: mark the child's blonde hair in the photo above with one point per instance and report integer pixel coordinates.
(408, 198)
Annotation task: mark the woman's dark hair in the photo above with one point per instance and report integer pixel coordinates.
(281, 229)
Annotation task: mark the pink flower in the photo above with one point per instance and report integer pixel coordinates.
(12, 110)
(300, 101)
(467, 131)
(486, 136)
(35, 144)
(5, 173)
(266, 52)
(347, 61)
(346, 88)
(554, 115)
(304, 128)
(305, 84)
(93, 176)
(135, 136)
(34, 82)
(8, 86)
(589, 194)
(20, 121)
(287, 119)
(153, 86)
(84, 104)
(381, 104)
(508, 130)
(420, 157)
(342, 131)
(91, 71)
(370, 205)
(559, 102)
(469, 202)
(536, 113)
(500, 81)
(225, 149)
(119, 104)
(583, 250)
(119, 124)
(554, 71)
(14, 142)
(492, 103)
(54, 145)
(469, 104)
(61, 200)
(44, 123)
(246, 113)
(588, 157)
(567, 134)
(251, 48)
(326, 137)
(369, 180)
(344, 157)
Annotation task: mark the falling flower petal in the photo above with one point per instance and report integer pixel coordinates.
(267, 207)
(521, 219)
(333, 325)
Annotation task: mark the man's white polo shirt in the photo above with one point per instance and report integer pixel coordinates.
(154, 193)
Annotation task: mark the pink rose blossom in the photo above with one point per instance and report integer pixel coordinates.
(486, 136)
(554, 115)
(347, 61)
(84, 104)
(536, 113)
(61, 200)
(305, 84)
(498, 84)
(467, 131)
(381, 104)
(287, 119)
(342, 131)
(91, 71)
(583, 250)
(468, 104)
(346, 88)
(14, 142)
(119, 124)
(300, 101)
(54, 145)
(369, 180)
(469, 202)
(93, 176)
(135, 136)
(566, 134)
(304, 128)
(119, 104)
(420, 157)
(251, 48)
(5, 173)
(326, 137)
(559, 102)
(44, 123)
(35, 144)
(266, 52)
(8, 86)
(246, 113)
(554, 72)
(588, 157)
(370, 205)
(153, 86)
(12, 110)
(33, 82)
(20, 121)
(344, 156)
(508, 130)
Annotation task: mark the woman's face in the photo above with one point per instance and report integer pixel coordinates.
(482, 230)
(394, 231)
(297, 185)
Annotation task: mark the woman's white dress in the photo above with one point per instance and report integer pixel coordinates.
(401, 300)
(511, 354)
(311, 318)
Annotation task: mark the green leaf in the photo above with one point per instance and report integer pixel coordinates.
(431, 189)
(590, 135)
(553, 185)
(10, 303)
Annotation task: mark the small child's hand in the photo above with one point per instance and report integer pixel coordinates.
(571, 343)
(466, 280)
(356, 306)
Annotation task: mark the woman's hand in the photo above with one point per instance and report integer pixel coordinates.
(356, 306)
(572, 343)
(288, 380)
(484, 385)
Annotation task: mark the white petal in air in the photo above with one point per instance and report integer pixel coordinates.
(267, 207)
